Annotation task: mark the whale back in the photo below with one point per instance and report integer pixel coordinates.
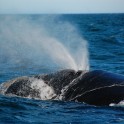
(60, 79)
(96, 87)
(31, 86)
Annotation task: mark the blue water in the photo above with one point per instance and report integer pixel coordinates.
(19, 56)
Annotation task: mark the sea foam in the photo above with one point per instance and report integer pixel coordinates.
(120, 104)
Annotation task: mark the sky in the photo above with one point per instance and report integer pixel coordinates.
(61, 6)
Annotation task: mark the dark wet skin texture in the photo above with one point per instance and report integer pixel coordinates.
(95, 87)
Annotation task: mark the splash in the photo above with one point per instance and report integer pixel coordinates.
(120, 104)
(42, 40)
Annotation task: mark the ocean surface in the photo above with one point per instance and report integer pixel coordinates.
(38, 44)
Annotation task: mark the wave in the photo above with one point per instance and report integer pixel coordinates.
(120, 104)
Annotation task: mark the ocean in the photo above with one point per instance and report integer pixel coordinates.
(42, 44)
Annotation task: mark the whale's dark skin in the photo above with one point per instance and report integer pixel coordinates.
(22, 86)
(94, 87)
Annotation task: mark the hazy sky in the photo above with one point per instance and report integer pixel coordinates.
(61, 6)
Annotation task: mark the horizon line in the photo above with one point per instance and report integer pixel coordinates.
(62, 13)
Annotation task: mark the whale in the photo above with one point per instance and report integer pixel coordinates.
(96, 87)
